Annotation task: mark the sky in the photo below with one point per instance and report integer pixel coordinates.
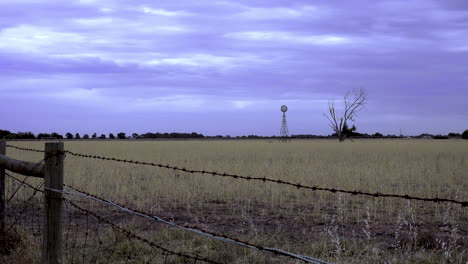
(226, 67)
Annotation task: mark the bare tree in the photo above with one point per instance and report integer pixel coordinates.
(352, 105)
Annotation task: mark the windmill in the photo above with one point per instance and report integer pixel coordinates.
(284, 125)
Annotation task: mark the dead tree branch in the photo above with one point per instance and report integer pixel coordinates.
(352, 105)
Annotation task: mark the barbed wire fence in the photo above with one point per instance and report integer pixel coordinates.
(262, 179)
(24, 213)
(91, 236)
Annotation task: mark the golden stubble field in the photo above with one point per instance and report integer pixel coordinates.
(339, 228)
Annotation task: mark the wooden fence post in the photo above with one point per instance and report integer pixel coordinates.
(2, 191)
(52, 248)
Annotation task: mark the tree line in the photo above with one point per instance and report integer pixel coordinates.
(346, 132)
(5, 134)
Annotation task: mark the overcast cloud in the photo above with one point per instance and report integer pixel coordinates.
(226, 67)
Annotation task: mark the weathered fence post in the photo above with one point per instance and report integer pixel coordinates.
(2, 191)
(52, 248)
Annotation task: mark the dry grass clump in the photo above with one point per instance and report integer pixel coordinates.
(18, 246)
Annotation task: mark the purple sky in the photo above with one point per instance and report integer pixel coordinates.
(226, 67)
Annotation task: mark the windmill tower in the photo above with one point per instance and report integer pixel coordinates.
(284, 125)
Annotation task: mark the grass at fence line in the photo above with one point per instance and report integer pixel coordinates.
(426, 168)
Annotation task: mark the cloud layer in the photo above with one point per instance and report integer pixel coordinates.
(227, 66)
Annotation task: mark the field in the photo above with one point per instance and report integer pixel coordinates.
(338, 228)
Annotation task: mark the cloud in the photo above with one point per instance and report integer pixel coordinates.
(257, 13)
(143, 27)
(281, 36)
(162, 12)
(206, 60)
(174, 103)
(239, 56)
(241, 104)
(27, 38)
(95, 22)
(77, 94)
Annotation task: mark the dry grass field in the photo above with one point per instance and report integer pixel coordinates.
(339, 228)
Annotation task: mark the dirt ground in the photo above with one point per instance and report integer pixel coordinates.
(295, 228)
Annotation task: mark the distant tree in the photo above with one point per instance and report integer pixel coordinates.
(148, 135)
(111, 136)
(94, 136)
(351, 107)
(25, 135)
(451, 134)
(377, 135)
(69, 135)
(46, 135)
(4, 133)
(85, 136)
(121, 135)
(196, 135)
(10, 136)
(102, 136)
(465, 134)
(56, 135)
(134, 135)
(77, 136)
(425, 135)
(43, 135)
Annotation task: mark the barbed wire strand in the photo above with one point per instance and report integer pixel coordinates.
(25, 149)
(192, 229)
(133, 235)
(278, 181)
(263, 179)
